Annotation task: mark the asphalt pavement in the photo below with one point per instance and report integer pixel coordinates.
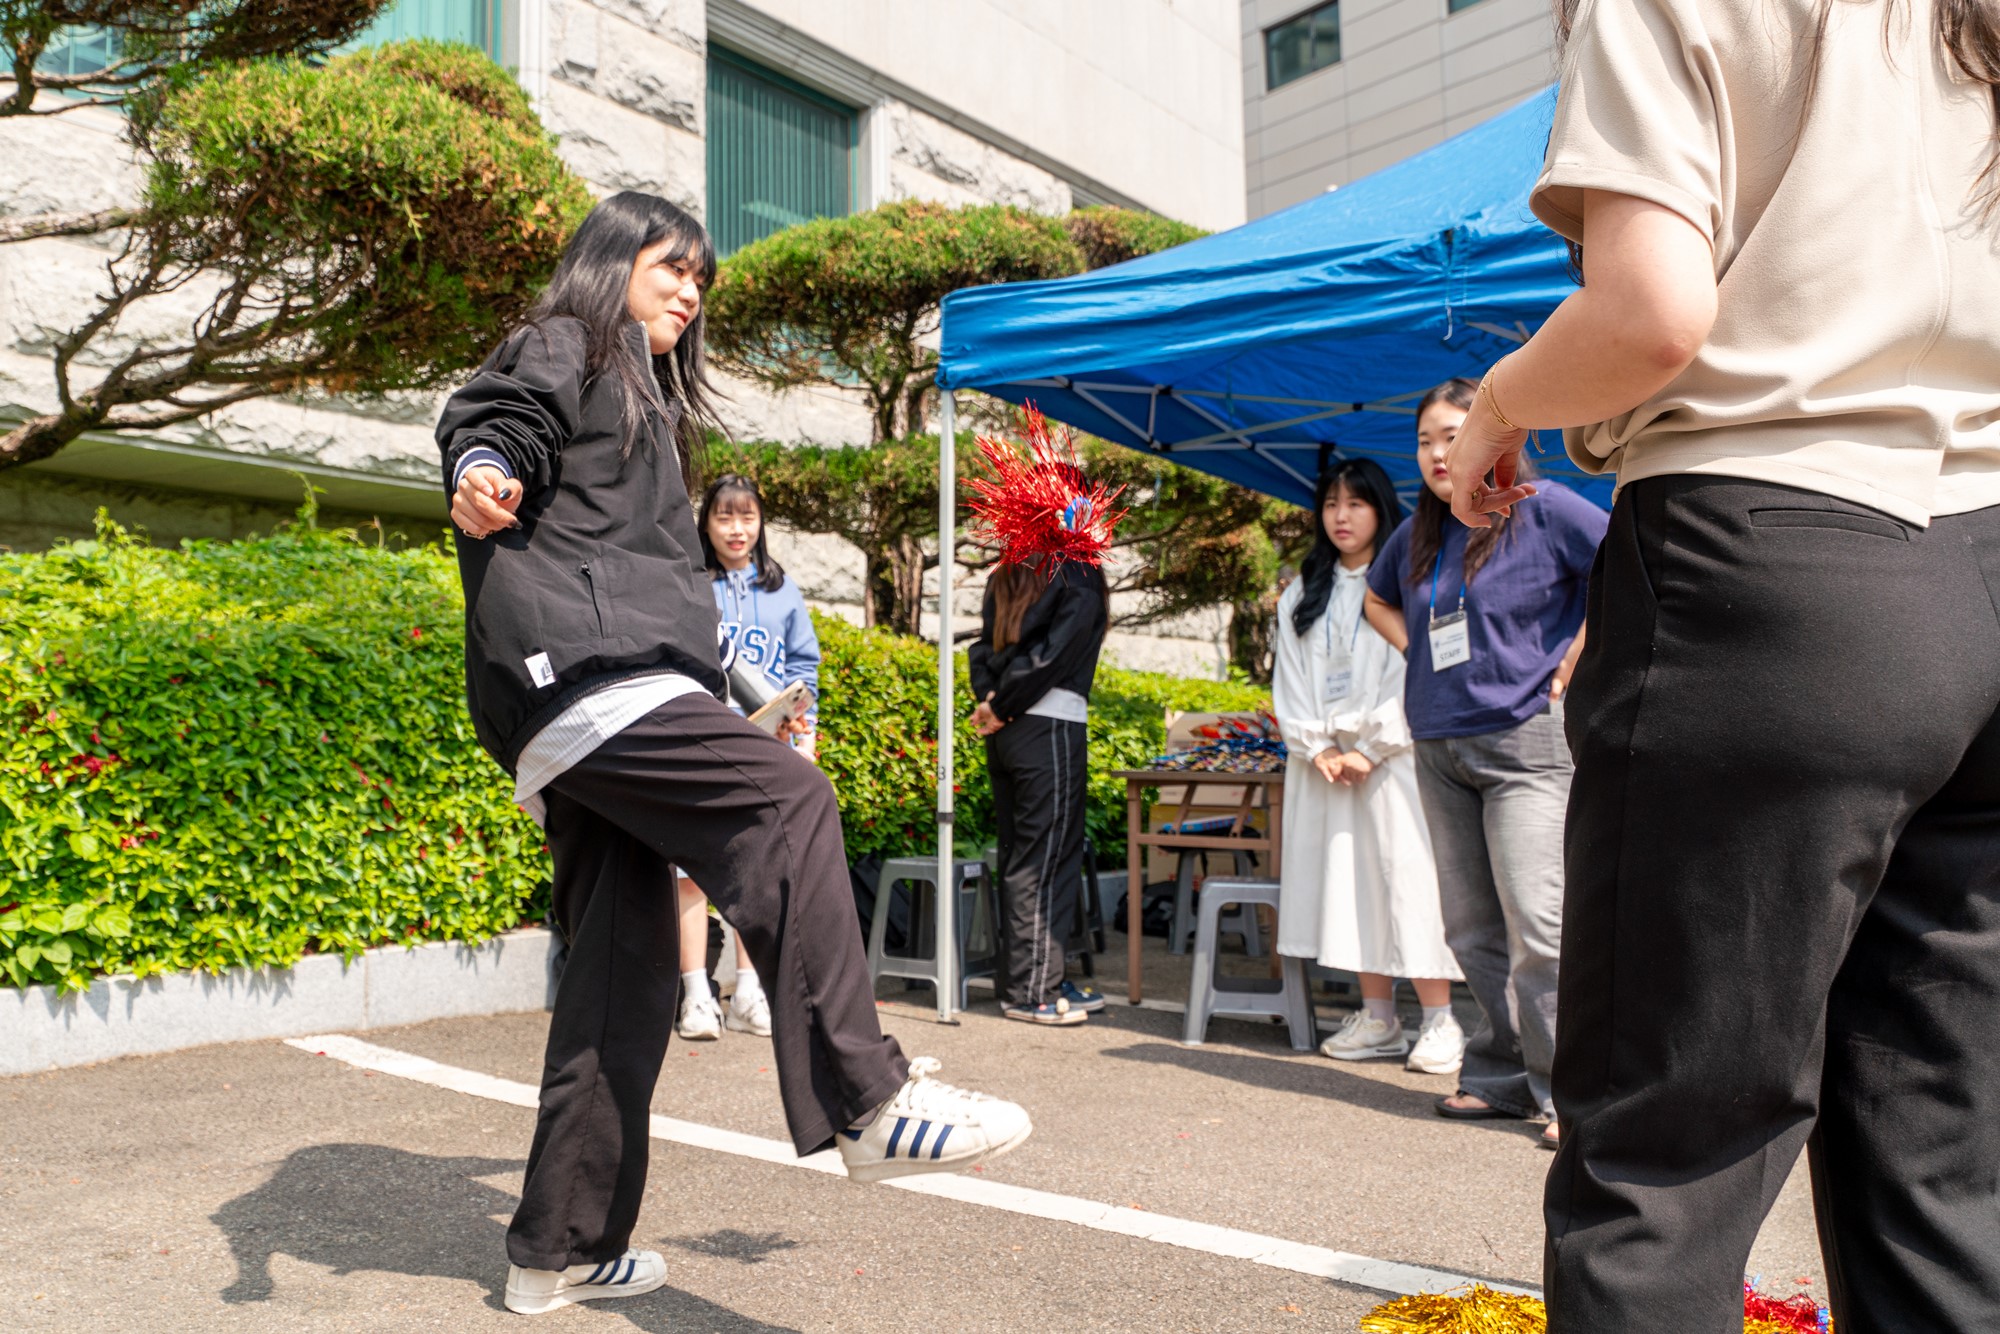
(263, 1187)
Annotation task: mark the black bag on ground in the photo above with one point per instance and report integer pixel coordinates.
(1156, 910)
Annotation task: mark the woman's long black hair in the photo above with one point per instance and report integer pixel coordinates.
(770, 574)
(1369, 482)
(590, 284)
(1427, 527)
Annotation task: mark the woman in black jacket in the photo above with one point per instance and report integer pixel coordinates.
(1032, 669)
(592, 673)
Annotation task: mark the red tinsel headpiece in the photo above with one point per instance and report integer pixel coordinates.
(1041, 505)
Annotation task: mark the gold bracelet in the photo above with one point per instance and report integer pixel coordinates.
(1493, 402)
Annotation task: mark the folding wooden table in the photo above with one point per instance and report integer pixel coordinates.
(1270, 785)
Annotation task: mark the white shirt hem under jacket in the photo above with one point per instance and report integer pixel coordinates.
(1360, 888)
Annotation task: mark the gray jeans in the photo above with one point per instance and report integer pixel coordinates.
(1495, 805)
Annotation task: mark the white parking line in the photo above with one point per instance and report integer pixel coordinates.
(1342, 1266)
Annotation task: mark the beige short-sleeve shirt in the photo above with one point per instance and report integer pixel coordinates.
(1857, 347)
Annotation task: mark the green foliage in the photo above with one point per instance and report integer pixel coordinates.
(241, 753)
(372, 224)
(392, 213)
(1106, 235)
(849, 301)
(153, 40)
(238, 754)
(878, 739)
(1194, 541)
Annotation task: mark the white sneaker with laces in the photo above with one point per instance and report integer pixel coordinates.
(1440, 1048)
(1364, 1038)
(701, 1019)
(754, 1017)
(929, 1126)
(537, 1291)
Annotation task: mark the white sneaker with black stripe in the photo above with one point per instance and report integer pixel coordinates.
(929, 1126)
(538, 1291)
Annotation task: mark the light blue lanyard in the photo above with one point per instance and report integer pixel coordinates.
(1437, 570)
(1354, 638)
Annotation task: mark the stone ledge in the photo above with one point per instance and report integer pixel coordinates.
(385, 987)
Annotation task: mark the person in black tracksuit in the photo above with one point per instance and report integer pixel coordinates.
(593, 672)
(1032, 669)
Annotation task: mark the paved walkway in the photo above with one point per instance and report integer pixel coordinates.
(265, 1187)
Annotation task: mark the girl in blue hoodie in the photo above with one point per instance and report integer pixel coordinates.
(764, 615)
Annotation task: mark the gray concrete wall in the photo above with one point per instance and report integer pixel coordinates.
(383, 988)
(1410, 75)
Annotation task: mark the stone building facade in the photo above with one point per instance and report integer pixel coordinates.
(1045, 106)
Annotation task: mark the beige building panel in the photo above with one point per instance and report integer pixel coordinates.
(1367, 161)
(1320, 161)
(1393, 86)
(1315, 123)
(1490, 94)
(1484, 21)
(1524, 41)
(1362, 36)
(1424, 115)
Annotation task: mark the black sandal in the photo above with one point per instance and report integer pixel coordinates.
(1484, 1112)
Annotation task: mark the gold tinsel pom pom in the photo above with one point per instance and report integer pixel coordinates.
(1480, 1310)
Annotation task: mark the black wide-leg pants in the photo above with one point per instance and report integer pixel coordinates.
(1782, 919)
(755, 824)
(1040, 786)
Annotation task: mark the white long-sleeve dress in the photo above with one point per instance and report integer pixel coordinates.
(1360, 888)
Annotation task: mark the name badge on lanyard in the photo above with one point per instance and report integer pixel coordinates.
(1451, 634)
(1338, 683)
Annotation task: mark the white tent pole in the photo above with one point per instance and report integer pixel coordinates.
(947, 894)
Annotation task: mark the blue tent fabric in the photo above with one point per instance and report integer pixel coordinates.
(1259, 353)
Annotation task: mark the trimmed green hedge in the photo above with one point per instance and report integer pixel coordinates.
(242, 753)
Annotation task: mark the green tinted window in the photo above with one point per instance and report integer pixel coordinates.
(473, 22)
(1453, 6)
(1298, 46)
(778, 154)
(79, 51)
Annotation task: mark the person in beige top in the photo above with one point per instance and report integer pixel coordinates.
(1782, 925)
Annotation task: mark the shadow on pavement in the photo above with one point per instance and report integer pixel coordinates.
(1316, 1080)
(355, 1208)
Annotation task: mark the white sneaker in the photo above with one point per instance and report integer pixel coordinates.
(1440, 1048)
(701, 1019)
(536, 1291)
(755, 1017)
(1364, 1037)
(929, 1126)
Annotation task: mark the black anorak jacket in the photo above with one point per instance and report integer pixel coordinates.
(603, 580)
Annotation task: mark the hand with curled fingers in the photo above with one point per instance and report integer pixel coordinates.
(485, 502)
(1484, 461)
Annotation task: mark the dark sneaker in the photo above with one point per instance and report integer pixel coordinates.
(1060, 1012)
(1088, 999)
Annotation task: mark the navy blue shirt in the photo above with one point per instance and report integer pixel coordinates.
(1522, 610)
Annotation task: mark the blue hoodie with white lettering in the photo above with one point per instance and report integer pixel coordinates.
(771, 630)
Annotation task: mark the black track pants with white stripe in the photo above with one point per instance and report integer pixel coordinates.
(690, 785)
(1039, 778)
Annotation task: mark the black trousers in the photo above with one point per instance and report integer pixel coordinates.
(755, 824)
(1782, 921)
(1039, 790)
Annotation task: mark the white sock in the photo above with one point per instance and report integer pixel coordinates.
(748, 988)
(694, 985)
(1383, 1008)
(1433, 1013)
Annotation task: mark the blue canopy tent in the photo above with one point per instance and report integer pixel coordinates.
(1257, 353)
(1260, 353)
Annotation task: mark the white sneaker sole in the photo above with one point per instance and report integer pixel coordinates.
(735, 1025)
(889, 1168)
(521, 1304)
(1383, 1052)
(1434, 1067)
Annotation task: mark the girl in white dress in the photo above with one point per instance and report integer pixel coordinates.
(1360, 888)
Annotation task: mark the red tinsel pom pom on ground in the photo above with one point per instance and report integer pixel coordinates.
(1038, 504)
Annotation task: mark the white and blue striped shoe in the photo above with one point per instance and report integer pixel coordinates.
(929, 1126)
(535, 1291)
